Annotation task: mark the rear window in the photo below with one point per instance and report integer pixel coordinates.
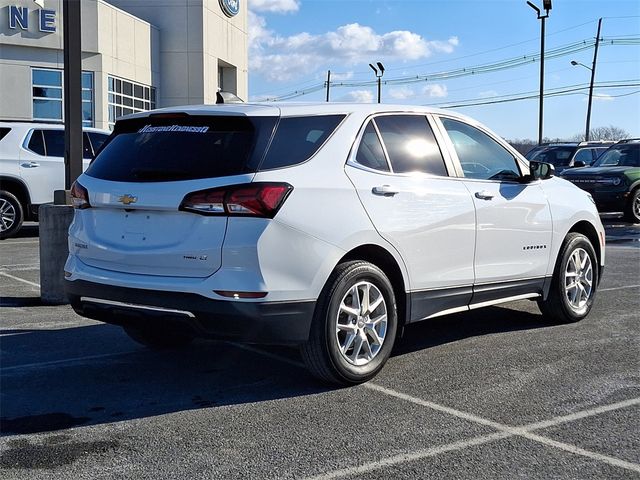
(298, 139)
(3, 132)
(182, 148)
(192, 147)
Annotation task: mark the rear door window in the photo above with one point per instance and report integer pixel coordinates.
(182, 148)
(36, 143)
(298, 138)
(54, 142)
(87, 151)
(410, 144)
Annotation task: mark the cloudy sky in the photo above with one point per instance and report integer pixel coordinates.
(294, 42)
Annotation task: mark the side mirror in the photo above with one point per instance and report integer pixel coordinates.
(579, 163)
(541, 170)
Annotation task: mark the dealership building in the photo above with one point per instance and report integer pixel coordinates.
(136, 55)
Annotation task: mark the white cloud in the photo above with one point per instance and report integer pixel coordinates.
(358, 96)
(435, 90)
(402, 93)
(488, 94)
(335, 77)
(603, 97)
(274, 6)
(280, 58)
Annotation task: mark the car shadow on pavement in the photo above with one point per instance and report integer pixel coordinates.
(27, 231)
(57, 379)
(62, 378)
(451, 328)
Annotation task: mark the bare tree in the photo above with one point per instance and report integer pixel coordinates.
(604, 133)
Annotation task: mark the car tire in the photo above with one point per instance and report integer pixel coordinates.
(351, 338)
(158, 338)
(12, 214)
(571, 300)
(632, 212)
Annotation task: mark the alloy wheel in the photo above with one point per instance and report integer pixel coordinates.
(578, 279)
(361, 323)
(7, 215)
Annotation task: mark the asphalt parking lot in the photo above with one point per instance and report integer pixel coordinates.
(495, 393)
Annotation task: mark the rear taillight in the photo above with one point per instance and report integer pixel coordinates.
(79, 196)
(250, 200)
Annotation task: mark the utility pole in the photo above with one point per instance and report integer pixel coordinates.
(547, 6)
(593, 76)
(72, 91)
(328, 83)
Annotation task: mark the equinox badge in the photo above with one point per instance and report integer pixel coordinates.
(127, 199)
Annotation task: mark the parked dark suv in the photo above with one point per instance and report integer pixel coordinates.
(569, 154)
(613, 180)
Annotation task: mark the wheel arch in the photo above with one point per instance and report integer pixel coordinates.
(19, 189)
(587, 229)
(386, 262)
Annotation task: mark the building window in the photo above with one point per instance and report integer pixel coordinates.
(127, 97)
(47, 96)
(87, 99)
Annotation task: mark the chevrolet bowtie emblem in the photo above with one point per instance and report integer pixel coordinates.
(127, 199)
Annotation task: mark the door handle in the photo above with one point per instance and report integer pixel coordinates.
(484, 195)
(30, 164)
(385, 190)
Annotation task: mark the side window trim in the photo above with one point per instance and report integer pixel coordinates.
(446, 147)
(522, 167)
(351, 159)
(384, 147)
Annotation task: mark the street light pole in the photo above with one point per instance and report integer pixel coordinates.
(379, 73)
(593, 76)
(547, 6)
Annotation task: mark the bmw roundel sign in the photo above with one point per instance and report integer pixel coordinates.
(230, 7)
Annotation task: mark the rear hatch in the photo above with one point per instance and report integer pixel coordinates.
(137, 183)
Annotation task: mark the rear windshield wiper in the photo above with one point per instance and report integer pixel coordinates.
(158, 174)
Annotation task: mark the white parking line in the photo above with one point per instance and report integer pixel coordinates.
(504, 431)
(21, 266)
(409, 457)
(618, 288)
(33, 284)
(27, 366)
(23, 242)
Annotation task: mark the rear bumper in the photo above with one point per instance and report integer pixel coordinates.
(276, 323)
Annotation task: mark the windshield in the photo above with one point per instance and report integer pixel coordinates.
(558, 156)
(620, 156)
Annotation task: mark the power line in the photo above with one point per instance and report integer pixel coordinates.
(556, 92)
(505, 64)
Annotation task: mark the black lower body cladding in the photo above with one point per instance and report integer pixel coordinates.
(276, 323)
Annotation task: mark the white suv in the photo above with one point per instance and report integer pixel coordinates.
(329, 226)
(32, 167)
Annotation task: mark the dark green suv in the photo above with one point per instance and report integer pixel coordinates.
(613, 180)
